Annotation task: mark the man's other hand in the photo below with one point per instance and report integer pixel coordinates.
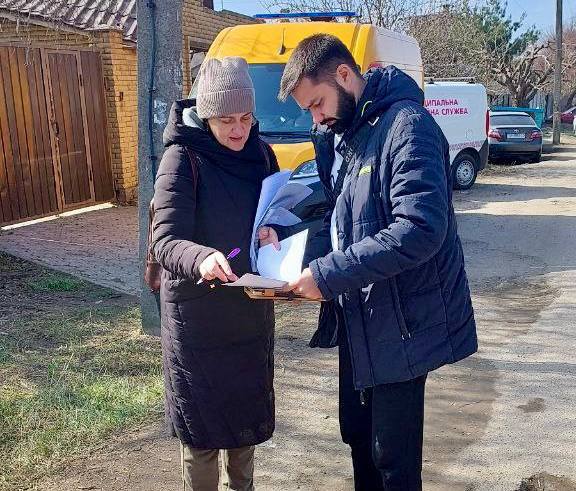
(305, 286)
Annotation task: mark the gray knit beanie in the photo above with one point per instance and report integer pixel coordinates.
(224, 87)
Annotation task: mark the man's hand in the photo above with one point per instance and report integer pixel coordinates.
(216, 266)
(267, 235)
(305, 286)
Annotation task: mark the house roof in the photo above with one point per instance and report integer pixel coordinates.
(80, 14)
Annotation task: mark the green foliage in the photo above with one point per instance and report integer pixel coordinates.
(501, 33)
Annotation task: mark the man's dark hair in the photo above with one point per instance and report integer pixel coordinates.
(317, 57)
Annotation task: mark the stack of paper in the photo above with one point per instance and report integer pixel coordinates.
(255, 281)
(277, 198)
(277, 267)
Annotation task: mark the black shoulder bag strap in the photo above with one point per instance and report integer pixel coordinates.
(264, 148)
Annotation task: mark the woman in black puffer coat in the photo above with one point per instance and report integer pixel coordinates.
(217, 343)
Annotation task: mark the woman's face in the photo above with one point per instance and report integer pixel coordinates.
(232, 130)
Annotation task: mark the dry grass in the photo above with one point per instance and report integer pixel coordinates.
(74, 369)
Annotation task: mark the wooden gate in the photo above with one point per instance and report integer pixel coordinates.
(54, 153)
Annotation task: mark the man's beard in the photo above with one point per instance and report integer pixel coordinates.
(345, 112)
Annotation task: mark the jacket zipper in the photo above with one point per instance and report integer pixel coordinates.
(393, 285)
(403, 329)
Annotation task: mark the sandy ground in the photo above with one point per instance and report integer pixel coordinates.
(492, 421)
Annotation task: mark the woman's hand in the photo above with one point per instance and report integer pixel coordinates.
(267, 235)
(216, 266)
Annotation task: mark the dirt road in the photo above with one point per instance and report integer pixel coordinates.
(499, 417)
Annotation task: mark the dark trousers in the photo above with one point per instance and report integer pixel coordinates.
(384, 428)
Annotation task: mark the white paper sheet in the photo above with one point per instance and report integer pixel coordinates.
(277, 197)
(285, 264)
(270, 187)
(255, 281)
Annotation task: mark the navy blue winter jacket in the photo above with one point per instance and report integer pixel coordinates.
(400, 265)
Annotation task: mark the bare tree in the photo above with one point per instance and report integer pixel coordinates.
(458, 40)
(515, 59)
(528, 73)
(451, 42)
(391, 14)
(447, 35)
(568, 62)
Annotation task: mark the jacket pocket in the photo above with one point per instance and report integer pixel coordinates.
(398, 308)
(382, 313)
(181, 289)
(422, 278)
(424, 309)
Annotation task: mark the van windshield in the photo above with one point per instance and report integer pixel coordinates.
(284, 119)
(276, 117)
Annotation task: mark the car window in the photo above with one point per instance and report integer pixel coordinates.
(511, 119)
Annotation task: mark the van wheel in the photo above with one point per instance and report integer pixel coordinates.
(537, 158)
(464, 171)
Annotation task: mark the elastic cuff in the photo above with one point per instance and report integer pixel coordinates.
(319, 279)
(206, 251)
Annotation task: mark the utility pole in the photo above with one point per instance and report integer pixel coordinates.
(556, 122)
(159, 84)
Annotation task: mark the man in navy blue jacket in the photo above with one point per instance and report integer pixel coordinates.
(388, 261)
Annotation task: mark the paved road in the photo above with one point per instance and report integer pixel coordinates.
(499, 417)
(519, 230)
(99, 246)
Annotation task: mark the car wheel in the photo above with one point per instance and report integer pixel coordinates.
(537, 158)
(464, 171)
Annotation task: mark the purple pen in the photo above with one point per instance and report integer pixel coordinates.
(231, 255)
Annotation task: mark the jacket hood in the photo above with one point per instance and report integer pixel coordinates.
(385, 87)
(184, 127)
(178, 133)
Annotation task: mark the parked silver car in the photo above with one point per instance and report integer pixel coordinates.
(514, 136)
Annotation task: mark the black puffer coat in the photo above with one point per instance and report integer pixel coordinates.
(217, 344)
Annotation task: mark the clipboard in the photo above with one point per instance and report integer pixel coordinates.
(275, 294)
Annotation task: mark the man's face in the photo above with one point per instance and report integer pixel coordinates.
(329, 104)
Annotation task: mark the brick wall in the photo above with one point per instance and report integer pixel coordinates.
(119, 63)
(200, 26)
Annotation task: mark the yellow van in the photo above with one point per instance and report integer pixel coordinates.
(267, 47)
